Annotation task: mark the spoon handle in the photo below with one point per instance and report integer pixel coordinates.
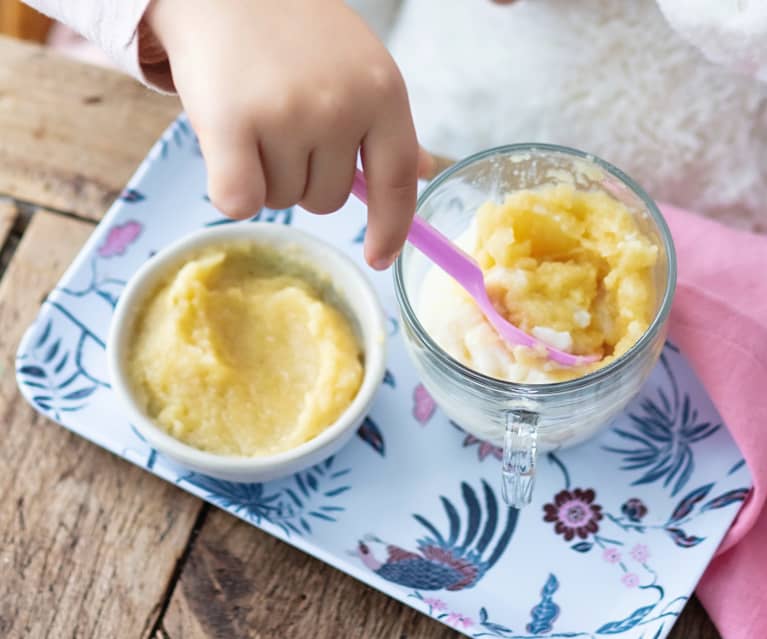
(445, 254)
(438, 248)
(360, 187)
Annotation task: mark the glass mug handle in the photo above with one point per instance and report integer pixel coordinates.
(520, 443)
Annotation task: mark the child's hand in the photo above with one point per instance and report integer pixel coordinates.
(282, 95)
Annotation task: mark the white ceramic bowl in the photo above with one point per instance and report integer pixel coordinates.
(349, 285)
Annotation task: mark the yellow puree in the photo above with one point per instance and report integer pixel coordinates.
(571, 266)
(234, 355)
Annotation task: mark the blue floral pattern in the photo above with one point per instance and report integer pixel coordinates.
(634, 565)
(132, 195)
(278, 216)
(684, 512)
(372, 435)
(54, 373)
(666, 476)
(313, 496)
(661, 440)
(545, 612)
(57, 368)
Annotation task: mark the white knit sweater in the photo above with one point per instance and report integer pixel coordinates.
(672, 91)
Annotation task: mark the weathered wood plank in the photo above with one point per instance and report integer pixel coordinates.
(88, 543)
(73, 134)
(8, 214)
(694, 623)
(20, 21)
(239, 582)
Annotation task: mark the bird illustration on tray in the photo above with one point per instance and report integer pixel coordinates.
(445, 561)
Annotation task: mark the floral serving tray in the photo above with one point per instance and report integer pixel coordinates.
(620, 529)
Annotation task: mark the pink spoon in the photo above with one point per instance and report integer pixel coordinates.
(464, 270)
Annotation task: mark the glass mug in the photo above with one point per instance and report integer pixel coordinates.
(529, 418)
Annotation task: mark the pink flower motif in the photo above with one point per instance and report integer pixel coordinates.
(485, 448)
(434, 603)
(423, 405)
(611, 555)
(119, 238)
(458, 620)
(630, 580)
(640, 553)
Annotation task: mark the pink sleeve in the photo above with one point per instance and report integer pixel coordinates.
(114, 26)
(732, 33)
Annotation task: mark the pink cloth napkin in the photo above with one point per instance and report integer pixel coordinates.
(719, 321)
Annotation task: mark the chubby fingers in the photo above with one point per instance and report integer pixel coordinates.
(236, 180)
(271, 159)
(390, 157)
(244, 175)
(330, 176)
(391, 172)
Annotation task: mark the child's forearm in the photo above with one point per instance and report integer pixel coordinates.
(733, 34)
(114, 26)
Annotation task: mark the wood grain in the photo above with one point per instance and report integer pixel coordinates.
(72, 134)
(8, 214)
(21, 21)
(694, 623)
(239, 582)
(88, 543)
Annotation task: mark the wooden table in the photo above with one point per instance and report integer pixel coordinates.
(91, 546)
